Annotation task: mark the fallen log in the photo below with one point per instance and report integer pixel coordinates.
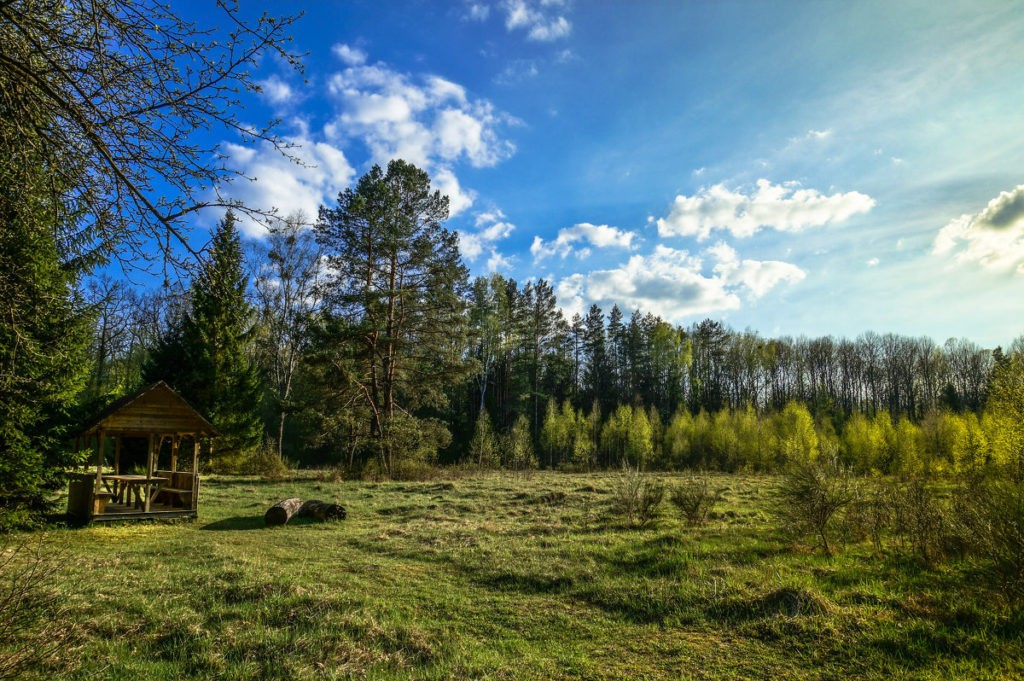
(321, 510)
(282, 511)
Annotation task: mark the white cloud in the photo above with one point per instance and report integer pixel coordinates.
(352, 56)
(517, 71)
(427, 120)
(672, 284)
(498, 262)
(477, 11)
(993, 238)
(535, 19)
(445, 181)
(285, 185)
(277, 91)
(811, 135)
(757, 276)
(786, 208)
(599, 236)
(872, 262)
(491, 227)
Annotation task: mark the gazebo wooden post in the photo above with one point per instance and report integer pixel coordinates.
(100, 442)
(174, 453)
(117, 455)
(195, 473)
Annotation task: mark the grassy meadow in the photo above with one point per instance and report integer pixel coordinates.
(503, 577)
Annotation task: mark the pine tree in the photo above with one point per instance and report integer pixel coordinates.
(394, 309)
(207, 357)
(44, 332)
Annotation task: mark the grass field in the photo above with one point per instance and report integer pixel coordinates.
(508, 578)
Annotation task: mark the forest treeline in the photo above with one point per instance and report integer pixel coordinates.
(356, 337)
(361, 342)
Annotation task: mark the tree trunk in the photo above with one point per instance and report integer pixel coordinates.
(281, 512)
(321, 510)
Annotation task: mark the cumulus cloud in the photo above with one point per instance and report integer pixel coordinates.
(757, 276)
(282, 184)
(491, 227)
(536, 19)
(599, 236)
(993, 238)
(498, 262)
(785, 207)
(812, 135)
(276, 91)
(426, 120)
(673, 284)
(352, 56)
(445, 181)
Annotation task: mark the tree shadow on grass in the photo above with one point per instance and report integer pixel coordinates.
(242, 522)
(254, 522)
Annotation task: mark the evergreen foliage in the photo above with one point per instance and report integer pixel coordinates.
(393, 326)
(44, 330)
(208, 356)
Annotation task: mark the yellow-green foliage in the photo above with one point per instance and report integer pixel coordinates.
(518, 451)
(1006, 413)
(796, 439)
(626, 436)
(565, 436)
(483, 448)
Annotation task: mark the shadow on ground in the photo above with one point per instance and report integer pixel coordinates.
(254, 522)
(242, 522)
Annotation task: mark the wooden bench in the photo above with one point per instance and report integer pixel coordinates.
(99, 502)
(177, 488)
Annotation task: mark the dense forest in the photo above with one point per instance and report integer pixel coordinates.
(356, 338)
(361, 342)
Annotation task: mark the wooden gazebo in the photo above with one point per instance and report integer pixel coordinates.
(157, 415)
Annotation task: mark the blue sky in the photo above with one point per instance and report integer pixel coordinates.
(794, 168)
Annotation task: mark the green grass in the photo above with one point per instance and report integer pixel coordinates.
(505, 578)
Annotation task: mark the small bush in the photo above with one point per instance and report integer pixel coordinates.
(871, 516)
(989, 515)
(35, 625)
(813, 497)
(265, 462)
(920, 519)
(262, 461)
(637, 496)
(695, 499)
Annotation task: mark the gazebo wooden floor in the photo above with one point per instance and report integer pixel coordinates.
(114, 512)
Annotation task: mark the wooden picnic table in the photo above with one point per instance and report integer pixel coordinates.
(137, 489)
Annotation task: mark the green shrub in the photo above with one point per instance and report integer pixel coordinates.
(694, 498)
(262, 461)
(813, 496)
(989, 514)
(920, 520)
(637, 496)
(871, 516)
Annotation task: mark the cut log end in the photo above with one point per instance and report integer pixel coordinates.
(281, 512)
(322, 510)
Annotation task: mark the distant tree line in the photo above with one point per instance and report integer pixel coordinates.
(361, 342)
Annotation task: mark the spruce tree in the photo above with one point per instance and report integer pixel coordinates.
(44, 331)
(206, 357)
